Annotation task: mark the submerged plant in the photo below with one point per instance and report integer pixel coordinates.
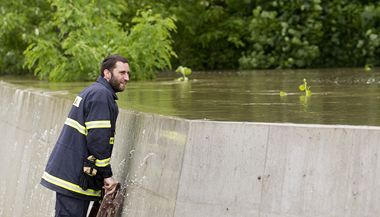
(283, 93)
(304, 87)
(184, 71)
(368, 67)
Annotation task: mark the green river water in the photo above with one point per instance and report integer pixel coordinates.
(340, 96)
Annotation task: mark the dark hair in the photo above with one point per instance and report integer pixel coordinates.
(110, 62)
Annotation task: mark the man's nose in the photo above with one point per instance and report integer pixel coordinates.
(126, 76)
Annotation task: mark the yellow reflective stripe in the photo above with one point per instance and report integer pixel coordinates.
(98, 124)
(69, 186)
(76, 125)
(112, 139)
(102, 163)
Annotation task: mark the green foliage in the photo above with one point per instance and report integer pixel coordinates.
(73, 42)
(184, 71)
(18, 26)
(81, 33)
(284, 34)
(66, 39)
(210, 34)
(360, 43)
(368, 67)
(305, 88)
(283, 93)
(149, 44)
(299, 34)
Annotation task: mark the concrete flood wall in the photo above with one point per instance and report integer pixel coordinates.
(180, 168)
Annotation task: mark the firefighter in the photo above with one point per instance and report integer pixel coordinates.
(79, 165)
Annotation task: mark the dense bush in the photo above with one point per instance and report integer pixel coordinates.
(72, 37)
(81, 33)
(210, 34)
(148, 44)
(298, 34)
(284, 34)
(66, 39)
(351, 34)
(18, 25)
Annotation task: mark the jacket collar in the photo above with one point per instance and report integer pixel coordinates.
(105, 83)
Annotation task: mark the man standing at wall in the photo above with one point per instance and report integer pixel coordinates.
(79, 165)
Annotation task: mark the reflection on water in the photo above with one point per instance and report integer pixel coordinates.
(340, 96)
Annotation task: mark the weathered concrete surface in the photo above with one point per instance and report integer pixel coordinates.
(156, 154)
(181, 168)
(28, 126)
(273, 170)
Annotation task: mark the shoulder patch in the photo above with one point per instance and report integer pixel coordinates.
(77, 101)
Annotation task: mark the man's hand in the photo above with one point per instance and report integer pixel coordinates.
(110, 185)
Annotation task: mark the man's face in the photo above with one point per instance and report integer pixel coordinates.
(119, 76)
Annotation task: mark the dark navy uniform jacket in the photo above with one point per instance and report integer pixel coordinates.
(89, 130)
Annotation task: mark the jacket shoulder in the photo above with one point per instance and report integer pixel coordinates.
(96, 92)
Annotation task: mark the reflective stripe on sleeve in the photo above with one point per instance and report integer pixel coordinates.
(76, 125)
(112, 140)
(102, 163)
(69, 186)
(98, 124)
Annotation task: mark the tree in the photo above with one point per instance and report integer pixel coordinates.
(284, 34)
(82, 32)
(300, 34)
(210, 34)
(19, 24)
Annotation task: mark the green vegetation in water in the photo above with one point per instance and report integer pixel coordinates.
(305, 87)
(368, 67)
(283, 93)
(184, 71)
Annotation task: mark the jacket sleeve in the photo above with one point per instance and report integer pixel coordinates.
(99, 132)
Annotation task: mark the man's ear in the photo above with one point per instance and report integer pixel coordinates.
(107, 74)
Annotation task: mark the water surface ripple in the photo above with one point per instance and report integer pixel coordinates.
(340, 96)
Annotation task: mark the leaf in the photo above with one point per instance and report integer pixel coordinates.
(368, 67)
(302, 87)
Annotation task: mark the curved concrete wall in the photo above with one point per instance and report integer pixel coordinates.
(180, 168)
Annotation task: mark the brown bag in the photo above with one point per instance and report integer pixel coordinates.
(112, 203)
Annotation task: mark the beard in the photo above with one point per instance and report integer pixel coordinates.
(115, 84)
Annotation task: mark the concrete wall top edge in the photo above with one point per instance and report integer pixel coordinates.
(37, 91)
(291, 125)
(147, 114)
